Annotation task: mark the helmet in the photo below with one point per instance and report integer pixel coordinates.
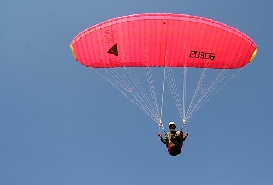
(172, 123)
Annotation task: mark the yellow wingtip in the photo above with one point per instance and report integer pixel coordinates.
(253, 55)
(73, 52)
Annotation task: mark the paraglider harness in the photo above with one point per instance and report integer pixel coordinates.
(174, 142)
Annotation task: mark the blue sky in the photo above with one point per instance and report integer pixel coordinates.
(60, 123)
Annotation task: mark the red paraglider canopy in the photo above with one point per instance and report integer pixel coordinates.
(174, 40)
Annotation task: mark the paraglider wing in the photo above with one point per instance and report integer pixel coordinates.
(182, 45)
(173, 40)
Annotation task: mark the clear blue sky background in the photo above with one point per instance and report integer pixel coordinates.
(61, 124)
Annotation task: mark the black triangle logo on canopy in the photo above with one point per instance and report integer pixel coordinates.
(113, 50)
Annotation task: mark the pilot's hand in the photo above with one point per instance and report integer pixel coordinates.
(160, 135)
